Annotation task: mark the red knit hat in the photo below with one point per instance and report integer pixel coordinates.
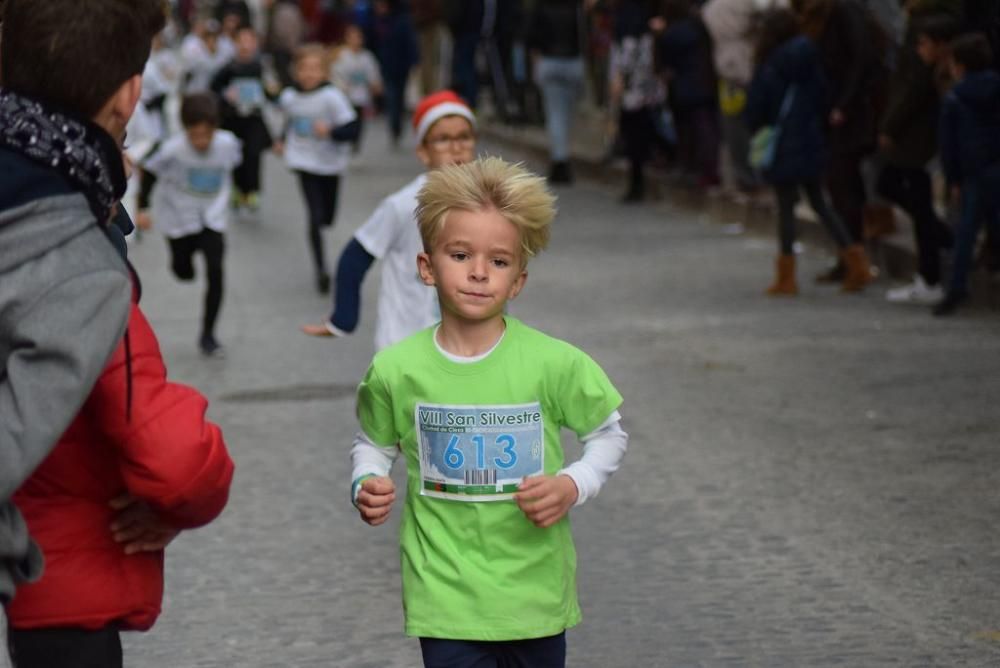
(436, 106)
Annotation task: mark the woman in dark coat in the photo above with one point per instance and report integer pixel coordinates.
(788, 91)
(684, 52)
(852, 50)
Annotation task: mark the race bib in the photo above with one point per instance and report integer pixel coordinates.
(303, 126)
(249, 91)
(478, 453)
(204, 181)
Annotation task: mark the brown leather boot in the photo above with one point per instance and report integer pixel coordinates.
(784, 283)
(859, 273)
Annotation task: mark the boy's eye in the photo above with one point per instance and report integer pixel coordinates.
(459, 256)
(499, 262)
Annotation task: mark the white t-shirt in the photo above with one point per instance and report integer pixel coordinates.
(355, 73)
(303, 149)
(405, 304)
(192, 189)
(200, 64)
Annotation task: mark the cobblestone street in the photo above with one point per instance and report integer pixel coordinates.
(810, 482)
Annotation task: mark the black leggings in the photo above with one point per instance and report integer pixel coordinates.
(320, 193)
(65, 648)
(788, 194)
(212, 245)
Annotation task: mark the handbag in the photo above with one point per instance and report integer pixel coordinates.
(764, 143)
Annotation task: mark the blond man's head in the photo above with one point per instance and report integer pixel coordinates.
(488, 184)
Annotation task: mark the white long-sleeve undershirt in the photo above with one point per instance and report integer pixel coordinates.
(603, 450)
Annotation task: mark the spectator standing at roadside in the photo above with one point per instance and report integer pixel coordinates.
(908, 141)
(788, 93)
(555, 40)
(71, 80)
(636, 91)
(465, 22)
(730, 22)
(970, 157)
(397, 52)
(429, 21)
(852, 48)
(684, 52)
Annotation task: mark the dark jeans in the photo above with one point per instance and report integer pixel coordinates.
(534, 653)
(847, 190)
(788, 194)
(638, 135)
(980, 201)
(65, 648)
(464, 78)
(212, 246)
(395, 101)
(698, 137)
(910, 188)
(320, 193)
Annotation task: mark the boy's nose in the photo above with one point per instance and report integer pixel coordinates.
(478, 270)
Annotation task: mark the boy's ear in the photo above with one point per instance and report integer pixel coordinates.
(515, 289)
(425, 269)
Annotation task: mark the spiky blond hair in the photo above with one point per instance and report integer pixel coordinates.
(488, 183)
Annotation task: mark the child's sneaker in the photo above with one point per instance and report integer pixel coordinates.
(210, 347)
(252, 202)
(917, 292)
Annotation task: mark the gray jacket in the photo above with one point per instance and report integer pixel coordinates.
(64, 300)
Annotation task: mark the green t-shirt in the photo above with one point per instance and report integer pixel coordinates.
(474, 567)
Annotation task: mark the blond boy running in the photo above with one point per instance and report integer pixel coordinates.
(475, 404)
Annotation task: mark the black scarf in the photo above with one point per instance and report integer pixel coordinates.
(83, 153)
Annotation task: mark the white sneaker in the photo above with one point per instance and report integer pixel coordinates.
(917, 292)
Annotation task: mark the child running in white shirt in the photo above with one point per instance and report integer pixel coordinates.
(321, 123)
(445, 128)
(191, 183)
(356, 72)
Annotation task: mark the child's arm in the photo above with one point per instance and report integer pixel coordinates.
(546, 499)
(370, 242)
(345, 126)
(372, 490)
(354, 263)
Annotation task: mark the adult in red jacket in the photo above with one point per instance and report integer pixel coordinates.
(139, 463)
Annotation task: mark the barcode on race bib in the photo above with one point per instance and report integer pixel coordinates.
(481, 477)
